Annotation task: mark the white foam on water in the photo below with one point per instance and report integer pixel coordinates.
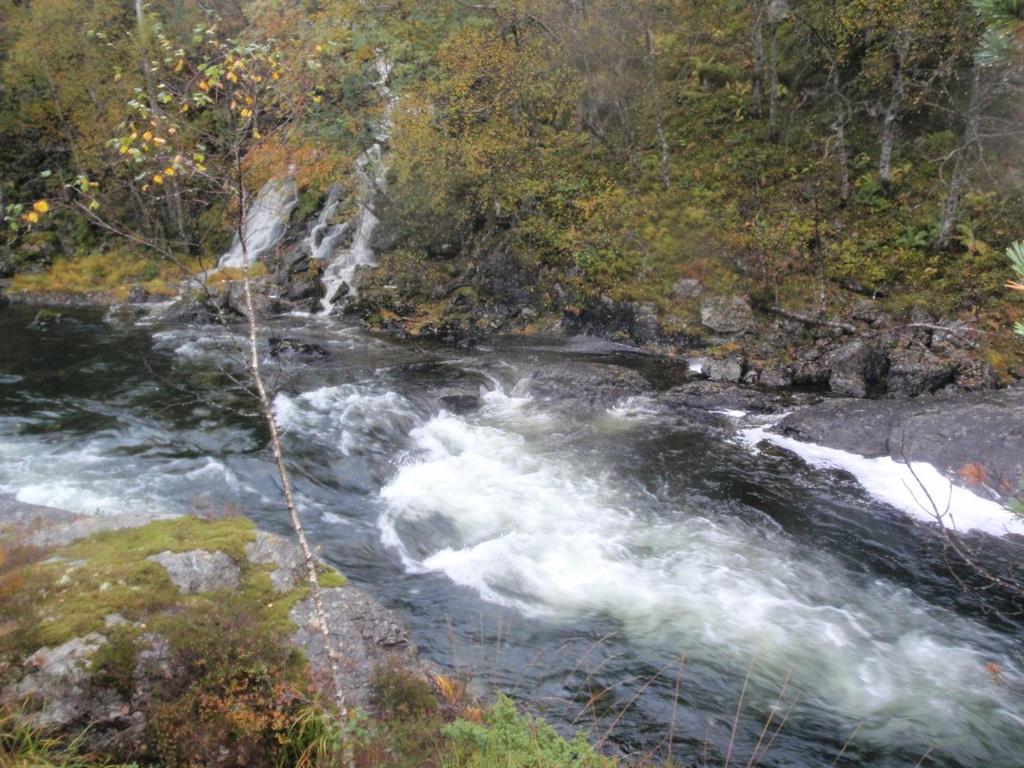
(537, 532)
(99, 475)
(919, 489)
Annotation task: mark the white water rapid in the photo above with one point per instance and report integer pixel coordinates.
(370, 175)
(265, 222)
(495, 505)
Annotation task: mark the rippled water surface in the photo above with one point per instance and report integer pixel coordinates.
(574, 557)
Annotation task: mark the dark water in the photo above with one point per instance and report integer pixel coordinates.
(570, 557)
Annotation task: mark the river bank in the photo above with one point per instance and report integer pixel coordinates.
(472, 489)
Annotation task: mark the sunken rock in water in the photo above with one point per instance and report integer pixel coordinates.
(280, 347)
(588, 384)
(199, 570)
(727, 314)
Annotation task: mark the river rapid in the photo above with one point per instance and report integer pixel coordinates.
(633, 574)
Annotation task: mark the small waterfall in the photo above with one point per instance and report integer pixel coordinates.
(265, 222)
(370, 173)
(342, 266)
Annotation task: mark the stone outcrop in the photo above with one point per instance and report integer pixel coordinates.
(199, 571)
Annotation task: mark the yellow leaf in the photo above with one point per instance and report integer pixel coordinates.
(319, 49)
(158, 141)
(200, 167)
(147, 136)
(180, 65)
(40, 206)
(31, 217)
(232, 77)
(158, 179)
(256, 133)
(117, 77)
(169, 171)
(276, 75)
(246, 112)
(124, 149)
(317, 99)
(184, 107)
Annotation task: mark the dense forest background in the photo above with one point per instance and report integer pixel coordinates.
(804, 152)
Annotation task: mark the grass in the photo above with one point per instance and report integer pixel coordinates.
(115, 272)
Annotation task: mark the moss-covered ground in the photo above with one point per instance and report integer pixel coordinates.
(241, 695)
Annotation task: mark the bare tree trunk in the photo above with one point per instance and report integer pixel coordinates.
(968, 139)
(839, 133)
(773, 81)
(759, 10)
(266, 406)
(892, 110)
(652, 73)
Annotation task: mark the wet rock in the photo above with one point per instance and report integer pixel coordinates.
(192, 310)
(687, 288)
(199, 571)
(45, 318)
(625, 320)
(985, 429)
(59, 681)
(914, 371)
(727, 314)
(4, 300)
(305, 288)
(367, 634)
(287, 558)
(855, 368)
(281, 347)
(723, 396)
(729, 369)
(585, 384)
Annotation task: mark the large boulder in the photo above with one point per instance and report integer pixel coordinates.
(856, 368)
(915, 370)
(367, 634)
(729, 369)
(283, 555)
(199, 571)
(60, 679)
(727, 314)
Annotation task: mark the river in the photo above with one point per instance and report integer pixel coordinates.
(632, 574)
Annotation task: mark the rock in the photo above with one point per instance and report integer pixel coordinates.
(606, 317)
(277, 551)
(46, 318)
(687, 288)
(855, 368)
(367, 633)
(263, 305)
(776, 377)
(729, 370)
(59, 682)
(41, 526)
(190, 310)
(723, 396)
(727, 314)
(980, 428)
(199, 570)
(280, 347)
(914, 371)
(583, 384)
(308, 288)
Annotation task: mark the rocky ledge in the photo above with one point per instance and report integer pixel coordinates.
(111, 612)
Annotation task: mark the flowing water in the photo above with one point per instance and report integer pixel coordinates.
(266, 221)
(571, 557)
